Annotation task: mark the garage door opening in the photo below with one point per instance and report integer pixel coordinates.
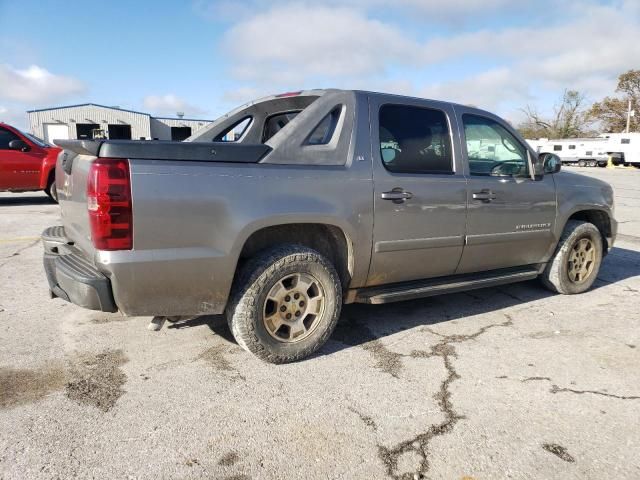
(85, 130)
(178, 134)
(54, 131)
(120, 132)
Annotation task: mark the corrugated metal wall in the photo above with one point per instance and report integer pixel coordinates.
(161, 127)
(140, 123)
(143, 126)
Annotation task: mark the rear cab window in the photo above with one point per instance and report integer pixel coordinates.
(323, 132)
(276, 122)
(415, 140)
(235, 132)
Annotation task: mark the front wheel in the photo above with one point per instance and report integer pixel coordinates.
(285, 303)
(576, 262)
(51, 190)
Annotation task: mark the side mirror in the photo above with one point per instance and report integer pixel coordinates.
(551, 163)
(19, 145)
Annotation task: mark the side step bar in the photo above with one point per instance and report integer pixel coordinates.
(398, 292)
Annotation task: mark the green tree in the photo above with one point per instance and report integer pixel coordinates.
(611, 112)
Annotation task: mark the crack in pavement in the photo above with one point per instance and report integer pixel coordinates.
(18, 252)
(533, 379)
(366, 419)
(556, 389)
(420, 444)
(559, 451)
(352, 333)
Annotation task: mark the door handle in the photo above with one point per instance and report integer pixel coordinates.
(485, 195)
(397, 195)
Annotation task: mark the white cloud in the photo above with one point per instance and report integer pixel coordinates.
(13, 117)
(36, 85)
(169, 104)
(441, 9)
(294, 43)
(242, 95)
(297, 45)
(580, 53)
(230, 10)
(343, 47)
(485, 90)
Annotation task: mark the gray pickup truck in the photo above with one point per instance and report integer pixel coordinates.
(289, 206)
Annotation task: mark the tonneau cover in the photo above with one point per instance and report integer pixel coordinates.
(165, 150)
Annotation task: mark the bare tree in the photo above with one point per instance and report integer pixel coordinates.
(569, 119)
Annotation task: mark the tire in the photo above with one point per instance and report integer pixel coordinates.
(561, 274)
(51, 190)
(582, 163)
(283, 273)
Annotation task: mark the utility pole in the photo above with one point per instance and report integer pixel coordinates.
(630, 113)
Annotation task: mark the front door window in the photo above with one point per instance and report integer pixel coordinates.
(492, 150)
(6, 137)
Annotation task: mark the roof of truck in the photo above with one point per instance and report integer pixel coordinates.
(322, 91)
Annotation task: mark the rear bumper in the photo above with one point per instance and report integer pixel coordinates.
(72, 277)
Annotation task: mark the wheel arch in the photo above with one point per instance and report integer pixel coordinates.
(50, 177)
(599, 218)
(329, 240)
(47, 173)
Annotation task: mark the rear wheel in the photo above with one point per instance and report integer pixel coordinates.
(285, 303)
(582, 163)
(576, 262)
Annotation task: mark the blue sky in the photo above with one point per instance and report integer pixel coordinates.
(203, 57)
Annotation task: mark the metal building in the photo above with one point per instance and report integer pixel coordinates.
(90, 120)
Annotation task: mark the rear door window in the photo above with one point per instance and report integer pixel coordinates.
(415, 140)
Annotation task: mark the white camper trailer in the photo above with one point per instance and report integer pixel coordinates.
(624, 148)
(584, 152)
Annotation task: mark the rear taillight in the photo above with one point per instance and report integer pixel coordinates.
(109, 204)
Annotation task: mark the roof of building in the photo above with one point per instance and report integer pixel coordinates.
(119, 109)
(87, 105)
(187, 119)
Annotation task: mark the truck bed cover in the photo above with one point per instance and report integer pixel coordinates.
(167, 150)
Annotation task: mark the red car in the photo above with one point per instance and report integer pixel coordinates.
(26, 162)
